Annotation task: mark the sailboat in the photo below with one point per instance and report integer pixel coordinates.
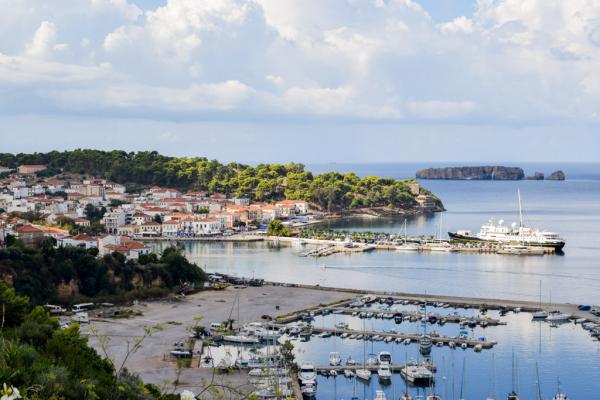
(405, 246)
(513, 394)
(559, 395)
(425, 342)
(541, 314)
(406, 395)
(363, 373)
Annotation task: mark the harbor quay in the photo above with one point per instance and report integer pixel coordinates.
(279, 307)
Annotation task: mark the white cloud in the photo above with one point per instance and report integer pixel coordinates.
(523, 61)
(43, 41)
(459, 24)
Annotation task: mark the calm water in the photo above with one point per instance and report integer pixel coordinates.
(565, 352)
(571, 208)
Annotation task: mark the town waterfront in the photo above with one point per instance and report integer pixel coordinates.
(570, 207)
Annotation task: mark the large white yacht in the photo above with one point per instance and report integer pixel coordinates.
(515, 234)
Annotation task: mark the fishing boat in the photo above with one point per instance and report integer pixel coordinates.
(516, 234)
(334, 358)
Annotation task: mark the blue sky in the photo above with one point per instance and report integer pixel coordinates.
(312, 81)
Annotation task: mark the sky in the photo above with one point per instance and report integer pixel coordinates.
(309, 81)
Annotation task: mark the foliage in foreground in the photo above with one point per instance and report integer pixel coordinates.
(48, 274)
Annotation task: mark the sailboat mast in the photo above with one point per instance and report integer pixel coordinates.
(520, 209)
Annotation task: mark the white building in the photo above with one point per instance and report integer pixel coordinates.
(114, 219)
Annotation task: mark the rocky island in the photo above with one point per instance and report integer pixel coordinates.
(485, 173)
(498, 173)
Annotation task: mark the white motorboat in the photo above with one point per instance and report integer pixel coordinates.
(335, 358)
(406, 396)
(425, 344)
(341, 325)
(540, 314)
(363, 374)
(242, 339)
(350, 361)
(557, 316)
(309, 390)
(384, 372)
(406, 341)
(372, 360)
(307, 372)
(380, 395)
(348, 373)
(385, 357)
(434, 396)
(417, 374)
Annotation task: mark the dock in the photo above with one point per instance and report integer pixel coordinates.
(413, 337)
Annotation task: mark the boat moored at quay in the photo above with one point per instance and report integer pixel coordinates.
(517, 234)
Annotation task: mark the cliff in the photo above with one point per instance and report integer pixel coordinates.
(498, 173)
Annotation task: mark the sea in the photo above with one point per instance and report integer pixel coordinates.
(566, 352)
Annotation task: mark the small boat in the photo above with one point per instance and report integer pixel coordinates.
(350, 361)
(385, 357)
(242, 339)
(398, 340)
(388, 339)
(333, 373)
(335, 358)
(406, 396)
(341, 325)
(464, 346)
(560, 395)
(384, 372)
(344, 335)
(380, 395)
(348, 373)
(325, 334)
(512, 396)
(363, 374)
(439, 344)
(309, 390)
(557, 316)
(372, 360)
(452, 345)
(307, 372)
(478, 347)
(417, 374)
(406, 341)
(425, 344)
(434, 396)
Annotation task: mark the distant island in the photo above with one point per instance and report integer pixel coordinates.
(496, 173)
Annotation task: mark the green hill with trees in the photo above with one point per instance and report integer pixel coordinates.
(330, 191)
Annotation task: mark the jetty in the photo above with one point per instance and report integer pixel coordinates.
(413, 337)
